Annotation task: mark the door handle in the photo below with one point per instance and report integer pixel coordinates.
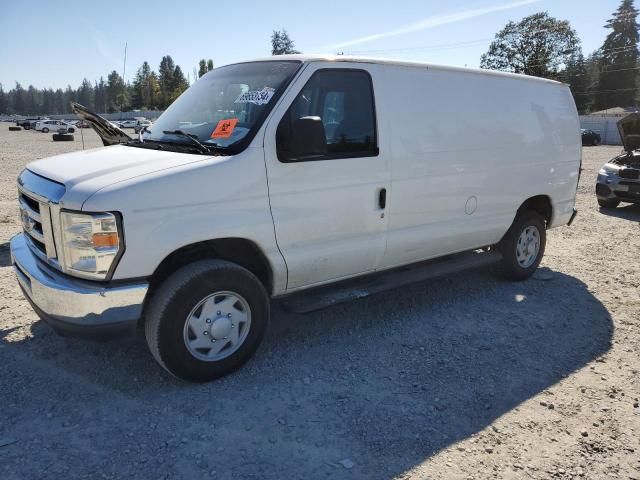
(382, 198)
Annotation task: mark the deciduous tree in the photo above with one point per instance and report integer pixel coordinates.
(537, 45)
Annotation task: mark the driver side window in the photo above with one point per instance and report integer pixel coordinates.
(342, 99)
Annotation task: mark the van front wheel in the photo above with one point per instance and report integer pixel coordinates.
(523, 246)
(206, 320)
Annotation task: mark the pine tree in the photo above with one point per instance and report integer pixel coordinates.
(617, 78)
(4, 101)
(58, 101)
(70, 95)
(85, 94)
(180, 83)
(141, 87)
(281, 44)
(100, 96)
(47, 102)
(116, 92)
(577, 76)
(202, 67)
(165, 78)
(31, 105)
(18, 103)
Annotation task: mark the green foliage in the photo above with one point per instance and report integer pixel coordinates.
(4, 100)
(537, 45)
(117, 96)
(281, 44)
(576, 74)
(146, 88)
(204, 66)
(543, 46)
(618, 60)
(180, 83)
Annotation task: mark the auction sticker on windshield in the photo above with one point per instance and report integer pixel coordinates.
(224, 129)
(259, 97)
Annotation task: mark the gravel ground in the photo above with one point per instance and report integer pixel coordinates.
(465, 377)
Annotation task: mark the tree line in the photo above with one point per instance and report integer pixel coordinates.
(543, 46)
(537, 45)
(148, 91)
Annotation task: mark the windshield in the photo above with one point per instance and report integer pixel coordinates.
(226, 106)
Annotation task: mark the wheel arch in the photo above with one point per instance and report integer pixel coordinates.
(241, 251)
(539, 203)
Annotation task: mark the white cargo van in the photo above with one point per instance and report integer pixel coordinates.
(292, 177)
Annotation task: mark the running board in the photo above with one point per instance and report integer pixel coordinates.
(326, 296)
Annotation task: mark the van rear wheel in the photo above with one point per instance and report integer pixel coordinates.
(523, 246)
(206, 320)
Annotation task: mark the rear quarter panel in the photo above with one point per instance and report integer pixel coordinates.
(455, 134)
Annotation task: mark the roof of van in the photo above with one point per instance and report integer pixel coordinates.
(404, 63)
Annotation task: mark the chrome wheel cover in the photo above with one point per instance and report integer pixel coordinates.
(528, 246)
(217, 326)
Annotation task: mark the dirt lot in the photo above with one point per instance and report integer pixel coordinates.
(464, 377)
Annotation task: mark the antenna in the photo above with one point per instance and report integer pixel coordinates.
(124, 67)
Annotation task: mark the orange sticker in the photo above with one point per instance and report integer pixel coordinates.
(224, 129)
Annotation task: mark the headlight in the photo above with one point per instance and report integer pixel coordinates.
(90, 243)
(609, 169)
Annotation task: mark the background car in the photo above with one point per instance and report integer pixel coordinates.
(128, 123)
(27, 123)
(589, 137)
(46, 126)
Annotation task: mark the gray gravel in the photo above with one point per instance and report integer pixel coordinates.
(467, 376)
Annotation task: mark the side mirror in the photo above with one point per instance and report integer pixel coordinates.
(306, 139)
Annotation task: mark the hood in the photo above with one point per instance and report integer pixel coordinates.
(629, 128)
(109, 134)
(86, 171)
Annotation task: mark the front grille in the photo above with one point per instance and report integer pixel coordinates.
(36, 224)
(39, 200)
(630, 173)
(633, 191)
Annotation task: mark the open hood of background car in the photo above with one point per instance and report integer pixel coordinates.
(629, 128)
(109, 134)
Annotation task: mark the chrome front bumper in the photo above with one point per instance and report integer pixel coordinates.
(76, 307)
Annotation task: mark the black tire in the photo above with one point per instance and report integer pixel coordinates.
(15, 129)
(609, 203)
(511, 267)
(595, 142)
(170, 306)
(62, 137)
(27, 127)
(45, 130)
(71, 130)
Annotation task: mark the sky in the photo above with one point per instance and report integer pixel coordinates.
(52, 44)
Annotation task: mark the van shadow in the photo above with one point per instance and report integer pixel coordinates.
(628, 212)
(386, 381)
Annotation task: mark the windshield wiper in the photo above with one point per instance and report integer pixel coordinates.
(194, 140)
